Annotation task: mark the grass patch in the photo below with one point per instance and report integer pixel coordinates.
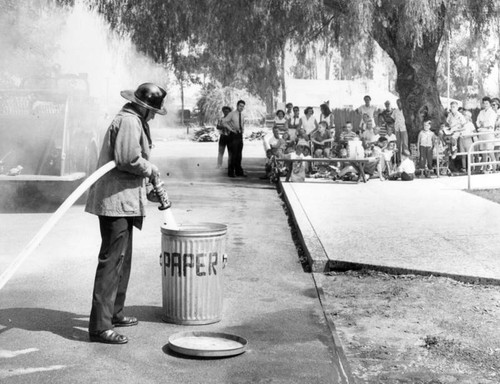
(489, 194)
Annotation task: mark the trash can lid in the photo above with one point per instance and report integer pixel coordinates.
(207, 344)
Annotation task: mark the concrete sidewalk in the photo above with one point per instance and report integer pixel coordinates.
(427, 226)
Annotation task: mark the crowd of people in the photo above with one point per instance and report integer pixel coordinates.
(381, 137)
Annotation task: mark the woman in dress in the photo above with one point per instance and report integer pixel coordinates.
(308, 122)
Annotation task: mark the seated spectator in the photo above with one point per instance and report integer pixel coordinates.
(298, 168)
(280, 121)
(391, 137)
(347, 133)
(302, 138)
(321, 140)
(367, 135)
(406, 170)
(376, 134)
(274, 143)
(377, 160)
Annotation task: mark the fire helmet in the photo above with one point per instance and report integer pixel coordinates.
(147, 95)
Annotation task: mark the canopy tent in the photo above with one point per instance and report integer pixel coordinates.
(341, 93)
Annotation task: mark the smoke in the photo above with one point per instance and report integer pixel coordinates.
(39, 38)
(35, 40)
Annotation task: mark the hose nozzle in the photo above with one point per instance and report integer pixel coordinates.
(161, 194)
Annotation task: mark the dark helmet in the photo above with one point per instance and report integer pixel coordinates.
(147, 95)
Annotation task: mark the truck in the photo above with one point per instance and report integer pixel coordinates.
(50, 135)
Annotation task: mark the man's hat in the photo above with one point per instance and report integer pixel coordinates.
(147, 95)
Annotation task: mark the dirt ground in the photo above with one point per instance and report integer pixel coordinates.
(415, 329)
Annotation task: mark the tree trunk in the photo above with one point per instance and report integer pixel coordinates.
(270, 101)
(417, 87)
(282, 75)
(416, 74)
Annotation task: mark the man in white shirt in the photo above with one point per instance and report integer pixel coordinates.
(367, 109)
(485, 124)
(234, 122)
(400, 130)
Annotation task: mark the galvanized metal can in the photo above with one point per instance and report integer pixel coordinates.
(193, 259)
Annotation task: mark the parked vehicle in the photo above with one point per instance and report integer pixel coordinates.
(50, 136)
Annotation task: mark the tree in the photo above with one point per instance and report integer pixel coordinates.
(240, 42)
(243, 40)
(411, 32)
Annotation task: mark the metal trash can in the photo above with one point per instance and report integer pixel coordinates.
(192, 260)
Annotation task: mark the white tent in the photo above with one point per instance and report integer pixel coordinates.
(340, 93)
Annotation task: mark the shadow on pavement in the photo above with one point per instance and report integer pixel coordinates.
(146, 313)
(45, 320)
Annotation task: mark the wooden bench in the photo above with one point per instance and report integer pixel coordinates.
(356, 163)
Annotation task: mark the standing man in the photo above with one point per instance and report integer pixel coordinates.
(234, 122)
(223, 136)
(400, 130)
(293, 123)
(367, 109)
(485, 124)
(119, 199)
(288, 114)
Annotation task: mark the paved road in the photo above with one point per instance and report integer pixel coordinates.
(268, 298)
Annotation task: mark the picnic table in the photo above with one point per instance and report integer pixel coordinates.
(356, 163)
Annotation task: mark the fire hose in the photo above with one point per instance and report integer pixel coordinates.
(77, 193)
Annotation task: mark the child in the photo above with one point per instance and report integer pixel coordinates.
(391, 137)
(302, 138)
(406, 170)
(425, 144)
(321, 140)
(347, 133)
(298, 173)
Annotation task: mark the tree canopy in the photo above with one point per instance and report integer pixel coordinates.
(240, 42)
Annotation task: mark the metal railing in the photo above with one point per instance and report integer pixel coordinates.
(470, 152)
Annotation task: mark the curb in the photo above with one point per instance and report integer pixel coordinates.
(315, 252)
(342, 362)
(319, 262)
(342, 266)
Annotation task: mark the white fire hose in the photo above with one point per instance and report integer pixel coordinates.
(12, 268)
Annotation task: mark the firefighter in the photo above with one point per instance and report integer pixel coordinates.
(119, 199)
